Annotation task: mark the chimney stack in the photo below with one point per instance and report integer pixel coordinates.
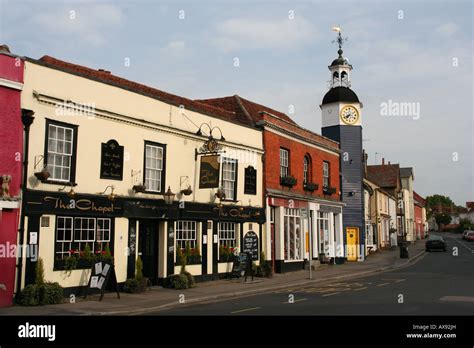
(383, 161)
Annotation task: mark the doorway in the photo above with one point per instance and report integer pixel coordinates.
(148, 248)
(352, 234)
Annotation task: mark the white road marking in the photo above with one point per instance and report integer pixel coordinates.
(334, 293)
(457, 298)
(245, 310)
(298, 300)
(383, 284)
(465, 246)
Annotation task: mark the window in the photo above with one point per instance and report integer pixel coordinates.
(250, 187)
(229, 178)
(323, 232)
(284, 156)
(227, 234)
(325, 174)
(60, 151)
(306, 170)
(76, 233)
(154, 167)
(292, 234)
(186, 234)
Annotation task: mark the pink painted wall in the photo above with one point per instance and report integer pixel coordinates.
(11, 154)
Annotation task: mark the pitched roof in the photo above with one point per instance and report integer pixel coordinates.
(108, 78)
(384, 175)
(250, 110)
(255, 112)
(419, 199)
(406, 172)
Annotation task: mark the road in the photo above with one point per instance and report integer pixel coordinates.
(439, 284)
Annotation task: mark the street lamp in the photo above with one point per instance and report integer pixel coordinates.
(169, 196)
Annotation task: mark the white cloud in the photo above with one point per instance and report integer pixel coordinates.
(256, 33)
(447, 29)
(175, 48)
(85, 22)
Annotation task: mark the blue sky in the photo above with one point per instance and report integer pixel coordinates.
(406, 56)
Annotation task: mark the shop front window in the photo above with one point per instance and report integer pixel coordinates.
(73, 234)
(185, 234)
(292, 234)
(323, 232)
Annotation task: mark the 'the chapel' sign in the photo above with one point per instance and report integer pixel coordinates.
(209, 173)
(111, 163)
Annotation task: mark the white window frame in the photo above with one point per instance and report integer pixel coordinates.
(284, 162)
(186, 232)
(155, 169)
(324, 226)
(56, 158)
(229, 177)
(95, 244)
(227, 232)
(305, 169)
(325, 174)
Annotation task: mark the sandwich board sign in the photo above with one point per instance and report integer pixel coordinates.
(102, 277)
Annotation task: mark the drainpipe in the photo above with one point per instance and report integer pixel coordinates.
(27, 119)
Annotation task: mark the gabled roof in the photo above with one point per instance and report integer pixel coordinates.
(384, 175)
(246, 108)
(255, 113)
(406, 172)
(113, 80)
(418, 199)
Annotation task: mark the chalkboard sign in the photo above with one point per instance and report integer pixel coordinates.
(111, 162)
(103, 278)
(251, 244)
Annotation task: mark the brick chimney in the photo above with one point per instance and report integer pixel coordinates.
(383, 161)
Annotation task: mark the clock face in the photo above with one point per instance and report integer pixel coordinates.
(349, 115)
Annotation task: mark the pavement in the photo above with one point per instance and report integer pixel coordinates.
(157, 299)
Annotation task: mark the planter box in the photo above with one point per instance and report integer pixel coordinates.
(225, 267)
(329, 190)
(288, 181)
(310, 187)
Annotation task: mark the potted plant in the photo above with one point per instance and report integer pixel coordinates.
(328, 190)
(289, 181)
(309, 186)
(139, 188)
(43, 175)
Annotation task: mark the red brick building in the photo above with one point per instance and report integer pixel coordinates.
(301, 187)
(420, 216)
(11, 154)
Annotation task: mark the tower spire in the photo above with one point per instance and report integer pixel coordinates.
(340, 68)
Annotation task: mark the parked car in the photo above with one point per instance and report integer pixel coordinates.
(465, 233)
(470, 236)
(435, 242)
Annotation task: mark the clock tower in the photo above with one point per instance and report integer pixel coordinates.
(342, 122)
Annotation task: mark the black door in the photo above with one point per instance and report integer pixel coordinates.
(148, 248)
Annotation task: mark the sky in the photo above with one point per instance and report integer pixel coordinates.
(276, 53)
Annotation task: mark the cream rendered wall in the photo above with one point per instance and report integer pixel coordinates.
(180, 138)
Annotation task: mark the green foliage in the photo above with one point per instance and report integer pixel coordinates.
(139, 269)
(70, 263)
(191, 282)
(44, 294)
(29, 296)
(442, 218)
(435, 200)
(39, 280)
(178, 281)
(87, 254)
(131, 285)
(264, 269)
(464, 224)
(50, 293)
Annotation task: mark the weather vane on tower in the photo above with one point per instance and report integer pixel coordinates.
(340, 40)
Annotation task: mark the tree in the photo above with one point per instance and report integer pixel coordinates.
(442, 219)
(432, 202)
